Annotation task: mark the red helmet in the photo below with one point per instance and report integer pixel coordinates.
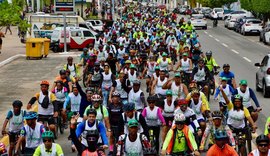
(182, 102)
(44, 82)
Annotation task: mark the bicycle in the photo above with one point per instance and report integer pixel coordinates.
(243, 139)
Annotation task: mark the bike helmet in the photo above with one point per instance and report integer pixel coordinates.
(97, 64)
(262, 138)
(220, 134)
(17, 103)
(62, 72)
(182, 102)
(226, 65)
(129, 107)
(85, 50)
(2, 148)
(44, 82)
(237, 96)
(178, 118)
(208, 53)
(30, 115)
(115, 94)
(92, 135)
(217, 115)
(47, 134)
(195, 91)
(96, 97)
(136, 82)
(151, 98)
(133, 123)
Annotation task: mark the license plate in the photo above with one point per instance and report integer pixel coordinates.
(254, 30)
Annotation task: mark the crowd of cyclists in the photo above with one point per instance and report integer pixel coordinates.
(117, 115)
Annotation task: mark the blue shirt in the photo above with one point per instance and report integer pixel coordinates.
(84, 102)
(100, 127)
(218, 91)
(229, 76)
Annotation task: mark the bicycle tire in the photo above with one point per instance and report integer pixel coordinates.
(56, 128)
(61, 125)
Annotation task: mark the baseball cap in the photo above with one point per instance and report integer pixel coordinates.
(185, 54)
(168, 92)
(243, 82)
(224, 79)
(177, 75)
(132, 66)
(164, 54)
(127, 61)
(133, 123)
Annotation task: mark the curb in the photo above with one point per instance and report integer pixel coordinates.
(7, 61)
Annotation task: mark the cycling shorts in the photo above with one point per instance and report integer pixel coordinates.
(13, 136)
(46, 118)
(169, 120)
(60, 105)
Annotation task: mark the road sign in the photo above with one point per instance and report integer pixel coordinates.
(64, 6)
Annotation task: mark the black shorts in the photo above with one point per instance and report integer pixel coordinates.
(251, 109)
(202, 83)
(46, 118)
(13, 136)
(169, 120)
(60, 105)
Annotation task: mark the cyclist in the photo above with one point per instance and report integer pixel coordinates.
(115, 109)
(221, 147)
(15, 118)
(61, 94)
(228, 91)
(120, 85)
(131, 113)
(73, 67)
(150, 70)
(47, 105)
(262, 142)
(136, 96)
(95, 75)
(92, 137)
(179, 140)
(189, 26)
(229, 75)
(74, 100)
(201, 110)
(158, 83)
(178, 88)
(186, 65)
(210, 62)
(191, 119)
(218, 124)
(30, 133)
(102, 112)
(91, 124)
(107, 79)
(65, 79)
(248, 94)
(153, 117)
(132, 74)
(133, 142)
(165, 63)
(84, 56)
(48, 147)
(201, 75)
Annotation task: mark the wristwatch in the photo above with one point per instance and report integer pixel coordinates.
(109, 130)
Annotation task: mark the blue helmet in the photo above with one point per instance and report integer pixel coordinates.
(129, 106)
(220, 134)
(30, 115)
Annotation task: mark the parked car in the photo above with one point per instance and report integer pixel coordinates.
(198, 20)
(263, 76)
(265, 30)
(76, 38)
(229, 22)
(207, 13)
(236, 13)
(217, 12)
(203, 9)
(183, 9)
(251, 26)
(266, 38)
(97, 25)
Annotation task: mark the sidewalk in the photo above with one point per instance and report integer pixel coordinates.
(11, 44)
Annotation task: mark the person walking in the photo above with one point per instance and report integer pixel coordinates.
(8, 29)
(1, 41)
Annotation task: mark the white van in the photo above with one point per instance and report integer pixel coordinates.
(76, 38)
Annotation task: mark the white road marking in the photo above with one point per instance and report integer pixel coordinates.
(217, 40)
(225, 45)
(247, 59)
(206, 32)
(236, 52)
(210, 36)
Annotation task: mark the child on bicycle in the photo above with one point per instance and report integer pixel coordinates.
(15, 118)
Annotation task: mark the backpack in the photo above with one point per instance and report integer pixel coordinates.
(136, 117)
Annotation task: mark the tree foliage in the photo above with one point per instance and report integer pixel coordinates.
(216, 3)
(258, 7)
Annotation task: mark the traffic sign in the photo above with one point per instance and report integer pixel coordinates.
(64, 6)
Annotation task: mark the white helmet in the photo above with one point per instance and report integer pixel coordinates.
(179, 117)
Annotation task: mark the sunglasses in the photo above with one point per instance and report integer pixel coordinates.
(263, 145)
(47, 140)
(151, 102)
(179, 123)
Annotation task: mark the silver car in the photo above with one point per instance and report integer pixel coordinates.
(263, 76)
(198, 20)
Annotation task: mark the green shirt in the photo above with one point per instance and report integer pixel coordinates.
(100, 116)
(180, 143)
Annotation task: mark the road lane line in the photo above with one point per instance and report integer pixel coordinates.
(206, 32)
(225, 45)
(210, 36)
(217, 40)
(247, 59)
(236, 52)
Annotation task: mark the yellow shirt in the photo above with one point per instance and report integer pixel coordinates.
(59, 151)
(203, 99)
(246, 112)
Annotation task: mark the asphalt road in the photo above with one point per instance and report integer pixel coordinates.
(20, 79)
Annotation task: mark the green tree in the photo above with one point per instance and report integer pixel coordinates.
(216, 3)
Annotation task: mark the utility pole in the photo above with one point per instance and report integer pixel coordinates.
(82, 8)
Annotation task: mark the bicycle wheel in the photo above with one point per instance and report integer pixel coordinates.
(249, 139)
(56, 128)
(61, 125)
